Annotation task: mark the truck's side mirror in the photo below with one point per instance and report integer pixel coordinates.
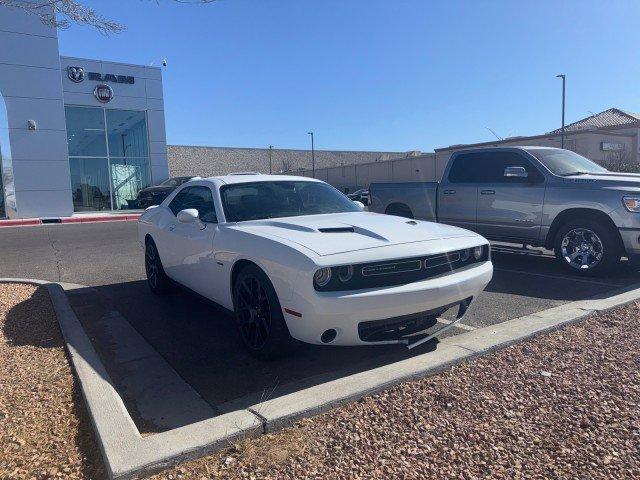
(516, 172)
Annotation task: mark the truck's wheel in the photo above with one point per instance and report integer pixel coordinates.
(258, 315)
(399, 210)
(587, 247)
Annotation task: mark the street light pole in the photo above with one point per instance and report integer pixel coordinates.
(564, 80)
(313, 157)
(270, 149)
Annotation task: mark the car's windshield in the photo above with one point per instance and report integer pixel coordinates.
(565, 162)
(259, 200)
(174, 182)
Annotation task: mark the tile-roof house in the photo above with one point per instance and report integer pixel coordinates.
(613, 117)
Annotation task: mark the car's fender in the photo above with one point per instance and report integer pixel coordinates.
(282, 261)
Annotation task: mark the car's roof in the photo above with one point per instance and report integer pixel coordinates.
(258, 177)
(503, 148)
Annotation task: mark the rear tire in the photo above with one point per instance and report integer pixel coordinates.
(399, 210)
(587, 247)
(157, 279)
(258, 315)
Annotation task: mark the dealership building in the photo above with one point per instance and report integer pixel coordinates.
(76, 135)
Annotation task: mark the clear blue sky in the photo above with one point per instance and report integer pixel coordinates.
(373, 74)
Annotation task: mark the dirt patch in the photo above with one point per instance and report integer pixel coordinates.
(44, 428)
(565, 405)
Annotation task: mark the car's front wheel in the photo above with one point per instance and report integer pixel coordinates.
(587, 247)
(157, 279)
(258, 315)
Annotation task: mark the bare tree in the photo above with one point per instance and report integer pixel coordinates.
(63, 13)
(286, 165)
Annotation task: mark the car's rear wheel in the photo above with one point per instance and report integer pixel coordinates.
(587, 247)
(157, 279)
(258, 315)
(399, 210)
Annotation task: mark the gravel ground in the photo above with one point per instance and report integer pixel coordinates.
(566, 405)
(44, 429)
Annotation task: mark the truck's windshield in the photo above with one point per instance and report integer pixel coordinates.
(259, 200)
(565, 162)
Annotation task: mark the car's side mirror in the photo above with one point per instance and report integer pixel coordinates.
(360, 205)
(515, 172)
(190, 215)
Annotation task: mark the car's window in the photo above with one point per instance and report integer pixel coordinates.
(464, 169)
(259, 200)
(172, 182)
(488, 167)
(198, 197)
(175, 182)
(565, 162)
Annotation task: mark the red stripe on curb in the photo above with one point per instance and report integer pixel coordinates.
(100, 218)
(23, 222)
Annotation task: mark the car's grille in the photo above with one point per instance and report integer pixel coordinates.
(390, 268)
(403, 270)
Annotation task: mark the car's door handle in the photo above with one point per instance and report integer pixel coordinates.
(487, 192)
(171, 228)
(449, 192)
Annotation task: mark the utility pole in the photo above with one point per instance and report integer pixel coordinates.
(564, 80)
(270, 149)
(313, 157)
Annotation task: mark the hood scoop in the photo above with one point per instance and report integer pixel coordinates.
(337, 230)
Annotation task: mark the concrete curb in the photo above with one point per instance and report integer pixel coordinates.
(125, 452)
(282, 411)
(127, 455)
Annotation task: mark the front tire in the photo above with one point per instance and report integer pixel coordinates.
(258, 315)
(587, 247)
(157, 279)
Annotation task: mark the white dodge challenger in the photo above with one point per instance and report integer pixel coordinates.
(294, 258)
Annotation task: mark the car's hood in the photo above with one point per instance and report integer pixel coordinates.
(346, 232)
(608, 179)
(157, 189)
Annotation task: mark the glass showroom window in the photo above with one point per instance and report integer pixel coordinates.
(129, 156)
(108, 157)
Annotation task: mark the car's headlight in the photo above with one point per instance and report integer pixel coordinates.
(632, 204)
(322, 276)
(345, 273)
(478, 251)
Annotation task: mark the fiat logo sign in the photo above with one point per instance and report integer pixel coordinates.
(103, 92)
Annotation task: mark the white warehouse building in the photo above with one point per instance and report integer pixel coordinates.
(76, 135)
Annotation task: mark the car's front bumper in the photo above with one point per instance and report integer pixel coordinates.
(346, 311)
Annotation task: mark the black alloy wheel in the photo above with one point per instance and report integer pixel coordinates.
(156, 277)
(259, 316)
(253, 313)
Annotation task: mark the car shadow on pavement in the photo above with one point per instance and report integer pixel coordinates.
(200, 342)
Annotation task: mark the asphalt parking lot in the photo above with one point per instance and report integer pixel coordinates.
(198, 339)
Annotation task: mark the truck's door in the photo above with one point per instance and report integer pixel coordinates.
(510, 197)
(457, 194)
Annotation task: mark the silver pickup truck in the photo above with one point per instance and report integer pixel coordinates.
(537, 196)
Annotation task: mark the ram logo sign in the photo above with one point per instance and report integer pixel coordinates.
(75, 74)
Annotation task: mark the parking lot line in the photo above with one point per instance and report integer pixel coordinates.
(557, 277)
(462, 326)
